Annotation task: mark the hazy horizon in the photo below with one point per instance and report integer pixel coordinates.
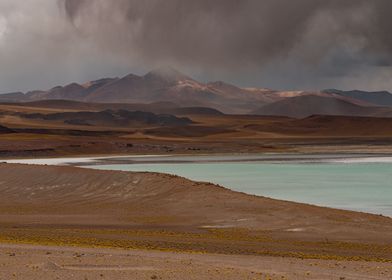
(81, 82)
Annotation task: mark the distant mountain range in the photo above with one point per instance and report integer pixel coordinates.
(308, 105)
(381, 98)
(169, 86)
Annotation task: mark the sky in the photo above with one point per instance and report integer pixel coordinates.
(279, 44)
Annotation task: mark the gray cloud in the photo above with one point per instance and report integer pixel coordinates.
(298, 44)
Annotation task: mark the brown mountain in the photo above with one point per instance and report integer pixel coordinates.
(380, 98)
(13, 97)
(72, 91)
(169, 86)
(242, 99)
(166, 85)
(307, 105)
(134, 89)
(161, 85)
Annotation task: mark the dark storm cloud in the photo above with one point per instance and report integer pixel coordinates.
(274, 43)
(213, 33)
(234, 32)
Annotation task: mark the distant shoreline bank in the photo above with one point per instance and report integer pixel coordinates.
(210, 158)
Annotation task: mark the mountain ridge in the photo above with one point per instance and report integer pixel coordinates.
(308, 105)
(381, 98)
(166, 84)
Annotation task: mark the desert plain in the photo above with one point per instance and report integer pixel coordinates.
(64, 222)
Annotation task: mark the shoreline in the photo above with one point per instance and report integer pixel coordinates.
(231, 157)
(161, 178)
(151, 161)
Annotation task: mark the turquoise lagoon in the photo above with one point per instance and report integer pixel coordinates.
(354, 182)
(359, 183)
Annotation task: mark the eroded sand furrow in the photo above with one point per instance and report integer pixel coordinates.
(83, 207)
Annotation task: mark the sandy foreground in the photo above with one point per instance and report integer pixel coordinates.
(74, 223)
(44, 262)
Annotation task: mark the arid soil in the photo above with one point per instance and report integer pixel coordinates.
(121, 225)
(36, 262)
(228, 233)
(210, 132)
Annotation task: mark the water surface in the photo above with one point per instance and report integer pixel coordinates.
(355, 182)
(359, 183)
